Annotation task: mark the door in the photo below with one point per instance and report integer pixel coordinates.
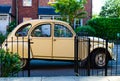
(42, 41)
(3, 23)
(63, 43)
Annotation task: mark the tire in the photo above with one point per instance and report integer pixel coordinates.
(24, 63)
(98, 59)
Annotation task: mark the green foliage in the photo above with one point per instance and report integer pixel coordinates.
(70, 9)
(111, 9)
(10, 63)
(106, 27)
(85, 30)
(11, 26)
(2, 38)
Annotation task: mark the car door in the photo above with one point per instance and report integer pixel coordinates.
(63, 42)
(41, 37)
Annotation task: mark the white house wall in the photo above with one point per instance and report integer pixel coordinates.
(4, 22)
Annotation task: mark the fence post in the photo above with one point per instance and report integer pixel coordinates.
(28, 57)
(88, 69)
(106, 57)
(76, 65)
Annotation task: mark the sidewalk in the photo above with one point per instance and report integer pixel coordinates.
(64, 78)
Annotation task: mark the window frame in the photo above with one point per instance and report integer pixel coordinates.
(26, 3)
(64, 27)
(41, 25)
(23, 26)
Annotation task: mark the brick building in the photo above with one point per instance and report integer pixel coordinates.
(23, 10)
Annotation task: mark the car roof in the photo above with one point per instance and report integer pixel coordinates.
(43, 20)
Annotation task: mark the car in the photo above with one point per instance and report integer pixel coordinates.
(55, 40)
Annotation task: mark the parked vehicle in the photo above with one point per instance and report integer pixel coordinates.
(53, 39)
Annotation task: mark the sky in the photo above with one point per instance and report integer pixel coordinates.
(97, 4)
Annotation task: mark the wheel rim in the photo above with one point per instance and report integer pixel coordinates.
(23, 64)
(100, 59)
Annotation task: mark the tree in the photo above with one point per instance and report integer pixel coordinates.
(70, 9)
(111, 9)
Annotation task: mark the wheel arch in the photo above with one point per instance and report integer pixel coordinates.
(101, 49)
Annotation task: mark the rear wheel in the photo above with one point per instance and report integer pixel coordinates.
(98, 59)
(24, 63)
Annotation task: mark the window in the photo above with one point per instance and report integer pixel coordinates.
(27, 2)
(23, 31)
(3, 17)
(42, 31)
(62, 31)
(78, 22)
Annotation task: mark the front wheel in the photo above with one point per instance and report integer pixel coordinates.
(98, 59)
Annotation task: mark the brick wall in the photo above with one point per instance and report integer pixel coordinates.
(43, 2)
(26, 11)
(5, 2)
(88, 8)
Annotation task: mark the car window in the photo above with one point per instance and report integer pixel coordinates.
(23, 31)
(43, 30)
(62, 31)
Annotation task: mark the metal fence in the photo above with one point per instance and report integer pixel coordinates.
(81, 68)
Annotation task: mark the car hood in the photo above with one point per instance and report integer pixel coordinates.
(96, 39)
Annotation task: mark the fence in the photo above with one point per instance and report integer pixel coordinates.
(83, 46)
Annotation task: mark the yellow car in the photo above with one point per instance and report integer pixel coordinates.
(53, 39)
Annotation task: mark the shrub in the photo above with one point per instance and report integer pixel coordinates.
(10, 63)
(106, 27)
(11, 26)
(2, 38)
(85, 30)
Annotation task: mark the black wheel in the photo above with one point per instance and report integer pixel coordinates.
(98, 59)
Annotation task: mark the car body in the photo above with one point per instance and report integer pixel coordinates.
(53, 39)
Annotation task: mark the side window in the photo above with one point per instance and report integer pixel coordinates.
(23, 31)
(43, 30)
(62, 31)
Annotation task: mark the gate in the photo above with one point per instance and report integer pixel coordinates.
(80, 67)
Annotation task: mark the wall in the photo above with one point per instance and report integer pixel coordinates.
(27, 11)
(5, 2)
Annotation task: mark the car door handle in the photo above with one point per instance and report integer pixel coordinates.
(54, 40)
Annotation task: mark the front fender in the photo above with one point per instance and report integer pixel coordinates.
(98, 46)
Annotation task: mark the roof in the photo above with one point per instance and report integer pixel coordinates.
(47, 11)
(5, 9)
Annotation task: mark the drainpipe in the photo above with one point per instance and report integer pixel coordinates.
(16, 12)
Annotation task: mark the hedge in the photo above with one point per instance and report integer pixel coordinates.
(85, 30)
(106, 27)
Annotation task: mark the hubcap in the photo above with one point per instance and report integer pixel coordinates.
(100, 59)
(23, 64)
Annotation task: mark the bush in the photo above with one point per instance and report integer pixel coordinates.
(10, 63)
(2, 38)
(85, 30)
(106, 27)
(11, 26)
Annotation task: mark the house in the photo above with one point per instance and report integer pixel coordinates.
(23, 10)
(5, 18)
